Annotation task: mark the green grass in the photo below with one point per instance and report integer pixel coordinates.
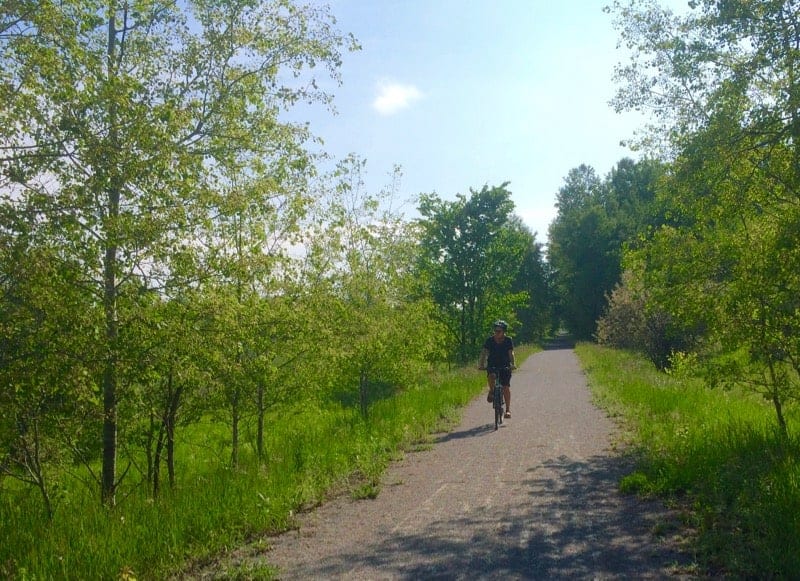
(324, 449)
(717, 454)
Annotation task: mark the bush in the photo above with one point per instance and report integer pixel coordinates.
(624, 323)
(629, 322)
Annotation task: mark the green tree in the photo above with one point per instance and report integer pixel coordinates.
(582, 251)
(596, 220)
(531, 294)
(120, 117)
(723, 81)
(372, 329)
(46, 365)
(471, 254)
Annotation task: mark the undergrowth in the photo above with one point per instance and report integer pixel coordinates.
(310, 454)
(718, 454)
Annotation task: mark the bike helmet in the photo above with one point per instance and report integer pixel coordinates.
(501, 325)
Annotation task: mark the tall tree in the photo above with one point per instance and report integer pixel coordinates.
(723, 79)
(581, 251)
(533, 281)
(467, 263)
(119, 117)
(596, 220)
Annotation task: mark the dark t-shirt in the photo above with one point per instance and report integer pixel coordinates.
(498, 352)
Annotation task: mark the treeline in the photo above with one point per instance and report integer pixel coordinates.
(698, 255)
(171, 253)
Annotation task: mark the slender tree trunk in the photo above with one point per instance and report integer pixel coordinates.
(261, 412)
(776, 399)
(171, 422)
(148, 446)
(109, 468)
(157, 463)
(235, 429)
(34, 462)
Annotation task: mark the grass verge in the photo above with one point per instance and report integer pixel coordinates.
(716, 453)
(321, 450)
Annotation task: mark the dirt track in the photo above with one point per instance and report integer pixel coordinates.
(537, 499)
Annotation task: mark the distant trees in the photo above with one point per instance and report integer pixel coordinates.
(596, 219)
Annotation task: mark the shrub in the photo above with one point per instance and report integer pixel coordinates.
(630, 322)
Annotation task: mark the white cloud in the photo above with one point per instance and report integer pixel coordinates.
(393, 97)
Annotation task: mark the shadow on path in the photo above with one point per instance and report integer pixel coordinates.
(580, 532)
(471, 433)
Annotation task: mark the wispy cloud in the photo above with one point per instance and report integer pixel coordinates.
(393, 97)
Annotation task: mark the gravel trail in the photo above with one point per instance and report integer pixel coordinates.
(537, 499)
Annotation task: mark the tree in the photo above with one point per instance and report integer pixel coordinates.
(596, 220)
(687, 69)
(45, 361)
(360, 290)
(722, 80)
(582, 251)
(120, 117)
(531, 293)
(470, 257)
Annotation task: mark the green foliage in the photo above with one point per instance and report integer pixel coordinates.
(728, 264)
(121, 128)
(472, 255)
(179, 289)
(535, 315)
(624, 322)
(310, 451)
(596, 220)
(715, 454)
(632, 321)
(373, 331)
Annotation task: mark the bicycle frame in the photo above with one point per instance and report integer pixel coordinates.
(498, 399)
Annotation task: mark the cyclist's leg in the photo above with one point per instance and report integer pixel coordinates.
(491, 377)
(506, 379)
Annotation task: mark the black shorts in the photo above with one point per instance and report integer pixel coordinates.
(504, 375)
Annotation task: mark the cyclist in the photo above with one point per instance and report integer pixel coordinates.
(498, 353)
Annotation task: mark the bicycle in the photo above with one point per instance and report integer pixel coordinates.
(497, 398)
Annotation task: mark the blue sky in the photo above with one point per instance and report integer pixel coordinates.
(466, 93)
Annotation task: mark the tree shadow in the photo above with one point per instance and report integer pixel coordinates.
(584, 530)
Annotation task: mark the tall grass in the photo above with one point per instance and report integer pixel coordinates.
(311, 452)
(718, 454)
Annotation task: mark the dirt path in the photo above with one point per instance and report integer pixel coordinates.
(535, 500)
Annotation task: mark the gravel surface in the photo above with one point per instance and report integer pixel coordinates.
(537, 499)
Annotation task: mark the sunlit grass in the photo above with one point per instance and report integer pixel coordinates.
(718, 454)
(311, 452)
